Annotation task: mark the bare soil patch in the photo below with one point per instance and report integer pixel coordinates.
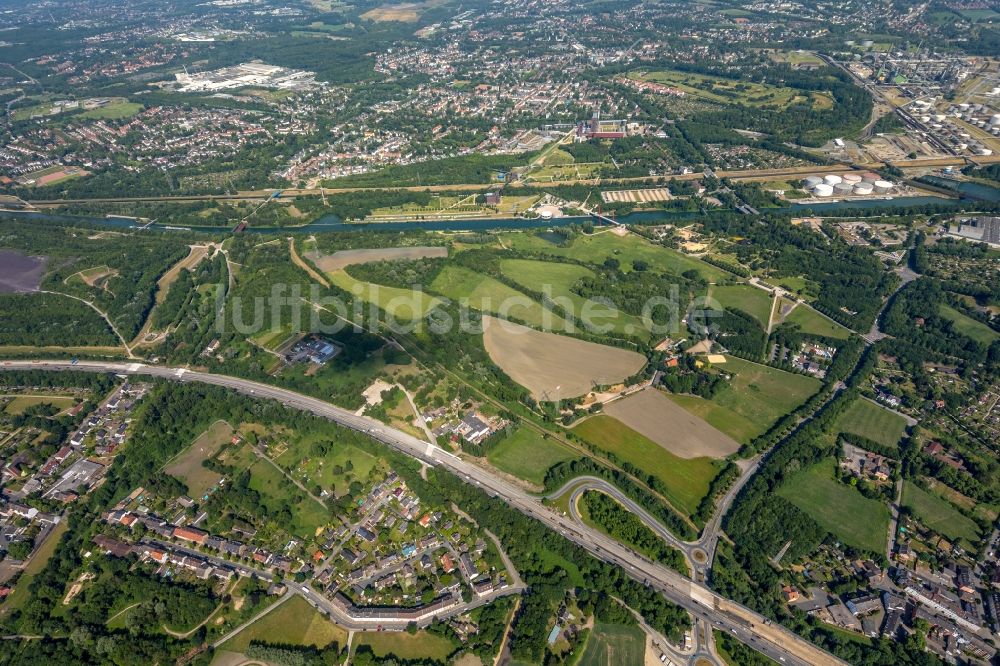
(20, 273)
(554, 367)
(657, 417)
(339, 260)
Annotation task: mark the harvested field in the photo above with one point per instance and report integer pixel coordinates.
(329, 263)
(653, 414)
(407, 13)
(553, 366)
(20, 273)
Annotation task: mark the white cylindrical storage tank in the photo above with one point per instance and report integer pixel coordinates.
(851, 178)
(996, 130)
(962, 146)
(843, 189)
(864, 189)
(823, 190)
(812, 181)
(939, 117)
(995, 119)
(964, 106)
(984, 152)
(832, 179)
(882, 186)
(869, 177)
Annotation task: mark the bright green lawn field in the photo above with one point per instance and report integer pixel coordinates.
(557, 279)
(527, 455)
(755, 302)
(867, 419)
(421, 645)
(968, 326)
(841, 510)
(404, 304)
(939, 515)
(687, 479)
(295, 622)
(756, 398)
(488, 295)
(810, 321)
(596, 248)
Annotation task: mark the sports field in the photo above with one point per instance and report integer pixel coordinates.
(626, 249)
(757, 396)
(555, 367)
(939, 515)
(687, 479)
(528, 455)
(557, 279)
(614, 645)
(294, 622)
(652, 414)
(485, 294)
(187, 467)
(969, 327)
(421, 645)
(755, 302)
(866, 419)
(841, 510)
(810, 321)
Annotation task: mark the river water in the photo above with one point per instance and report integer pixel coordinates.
(328, 223)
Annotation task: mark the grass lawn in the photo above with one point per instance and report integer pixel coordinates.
(614, 645)
(686, 478)
(810, 321)
(488, 295)
(557, 279)
(187, 466)
(403, 304)
(968, 326)
(421, 645)
(19, 596)
(113, 111)
(294, 622)
(867, 419)
(528, 455)
(939, 515)
(596, 248)
(838, 508)
(549, 561)
(756, 398)
(22, 402)
(753, 301)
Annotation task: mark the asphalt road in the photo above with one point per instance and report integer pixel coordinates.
(744, 624)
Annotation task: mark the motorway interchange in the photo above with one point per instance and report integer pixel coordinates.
(705, 606)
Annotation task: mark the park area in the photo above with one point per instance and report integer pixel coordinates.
(19, 402)
(811, 322)
(652, 414)
(733, 91)
(746, 298)
(596, 248)
(486, 294)
(686, 479)
(555, 367)
(404, 645)
(756, 397)
(403, 304)
(839, 509)
(969, 327)
(344, 258)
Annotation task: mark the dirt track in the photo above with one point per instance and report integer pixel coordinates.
(656, 416)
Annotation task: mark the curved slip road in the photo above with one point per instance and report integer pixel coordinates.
(746, 625)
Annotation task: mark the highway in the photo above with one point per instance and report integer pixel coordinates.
(744, 624)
